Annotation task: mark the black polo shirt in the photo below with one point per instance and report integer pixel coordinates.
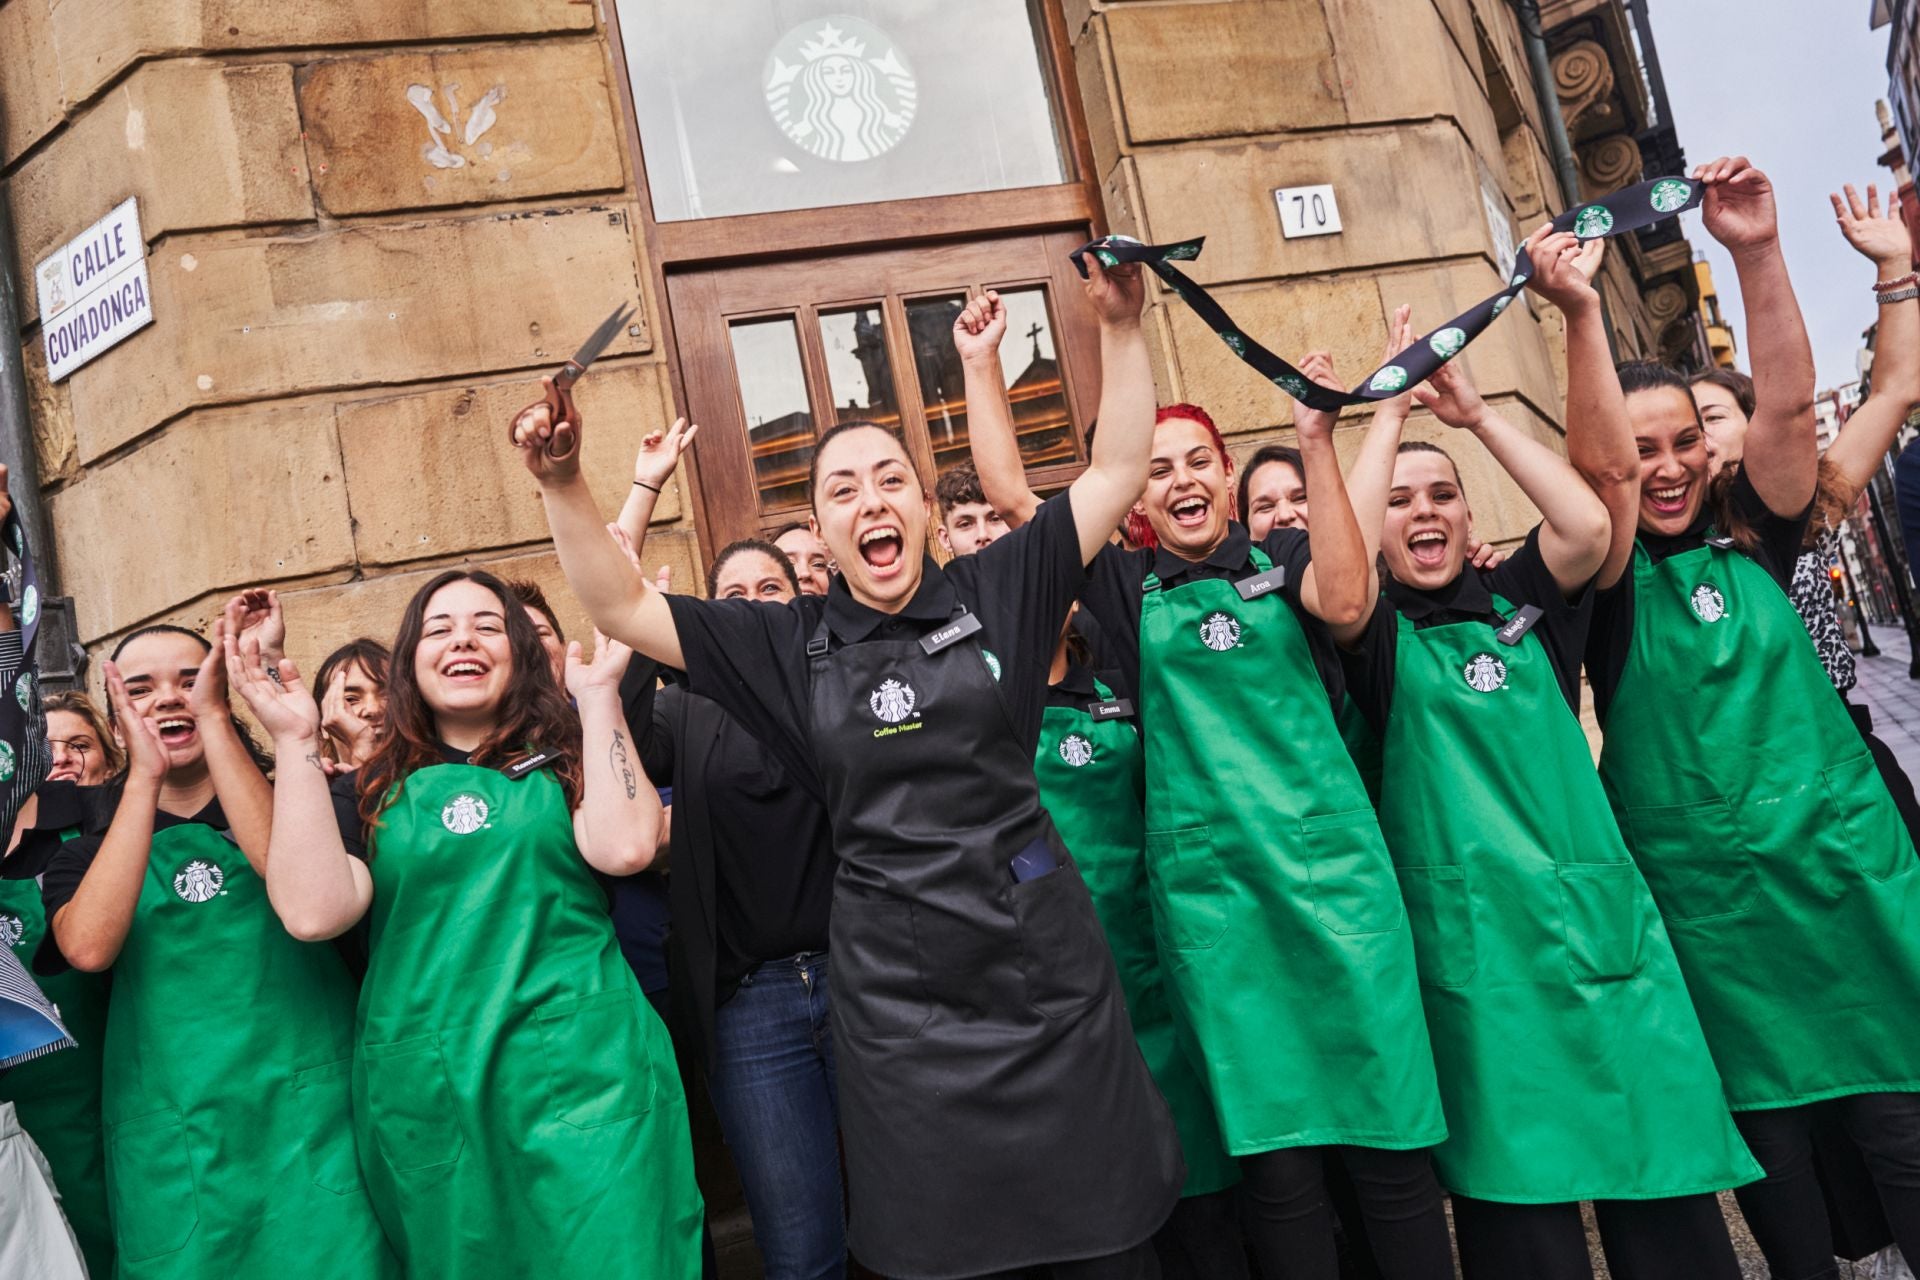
(1523, 578)
(751, 658)
(63, 806)
(1115, 588)
(1610, 638)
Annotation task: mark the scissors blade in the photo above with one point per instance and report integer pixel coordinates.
(598, 342)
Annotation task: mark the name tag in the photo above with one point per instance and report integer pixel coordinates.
(1112, 710)
(1261, 584)
(1721, 541)
(951, 634)
(1518, 625)
(521, 768)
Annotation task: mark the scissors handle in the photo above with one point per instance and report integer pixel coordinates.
(566, 416)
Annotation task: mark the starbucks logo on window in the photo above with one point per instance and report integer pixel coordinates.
(1391, 378)
(1447, 343)
(839, 89)
(1220, 632)
(198, 881)
(1708, 604)
(465, 814)
(1669, 194)
(1485, 673)
(893, 700)
(12, 929)
(1593, 221)
(1076, 750)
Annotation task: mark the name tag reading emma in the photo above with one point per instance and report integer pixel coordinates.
(1518, 625)
(951, 634)
(1261, 584)
(1112, 709)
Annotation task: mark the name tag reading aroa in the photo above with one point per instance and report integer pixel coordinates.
(951, 634)
(1518, 625)
(1261, 584)
(1112, 709)
(521, 768)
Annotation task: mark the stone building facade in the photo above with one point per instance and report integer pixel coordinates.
(371, 224)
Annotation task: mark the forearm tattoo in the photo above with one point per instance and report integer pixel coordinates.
(622, 764)
(313, 758)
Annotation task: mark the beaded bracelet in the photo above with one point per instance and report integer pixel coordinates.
(1911, 278)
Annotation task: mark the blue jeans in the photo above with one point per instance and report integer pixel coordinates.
(773, 1089)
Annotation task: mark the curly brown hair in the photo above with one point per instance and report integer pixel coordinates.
(534, 713)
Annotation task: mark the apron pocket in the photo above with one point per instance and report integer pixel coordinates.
(599, 1067)
(1354, 890)
(150, 1173)
(1061, 946)
(1600, 919)
(1185, 875)
(325, 1099)
(410, 1104)
(879, 993)
(1865, 811)
(1692, 858)
(1440, 912)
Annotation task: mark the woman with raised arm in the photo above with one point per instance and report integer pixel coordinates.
(224, 1091)
(515, 1098)
(995, 1113)
(1227, 647)
(1571, 1062)
(1790, 903)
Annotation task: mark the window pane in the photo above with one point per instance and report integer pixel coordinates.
(805, 104)
(943, 391)
(859, 370)
(773, 396)
(1032, 370)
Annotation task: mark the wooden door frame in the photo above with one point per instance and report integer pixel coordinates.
(674, 247)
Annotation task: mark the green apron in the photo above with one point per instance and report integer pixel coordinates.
(230, 1149)
(1091, 783)
(1571, 1061)
(1786, 877)
(1274, 900)
(58, 1097)
(516, 1098)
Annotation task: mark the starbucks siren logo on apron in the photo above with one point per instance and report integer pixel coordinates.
(1486, 673)
(12, 929)
(198, 881)
(1594, 221)
(1076, 750)
(893, 700)
(465, 814)
(839, 89)
(1708, 604)
(1220, 631)
(1669, 195)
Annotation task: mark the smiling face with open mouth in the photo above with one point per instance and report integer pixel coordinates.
(1187, 489)
(1276, 499)
(1673, 459)
(160, 670)
(464, 661)
(871, 511)
(1428, 523)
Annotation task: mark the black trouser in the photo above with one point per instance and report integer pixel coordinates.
(1137, 1263)
(1290, 1221)
(1682, 1238)
(1785, 1209)
(1203, 1239)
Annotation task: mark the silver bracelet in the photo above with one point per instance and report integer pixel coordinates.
(1899, 295)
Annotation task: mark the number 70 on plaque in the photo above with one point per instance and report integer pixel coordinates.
(1308, 211)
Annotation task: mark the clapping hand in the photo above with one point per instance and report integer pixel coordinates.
(257, 613)
(140, 735)
(280, 702)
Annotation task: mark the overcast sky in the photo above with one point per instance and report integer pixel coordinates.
(1790, 84)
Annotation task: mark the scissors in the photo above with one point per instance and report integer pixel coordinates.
(566, 419)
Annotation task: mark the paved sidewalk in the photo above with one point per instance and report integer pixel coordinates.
(1895, 699)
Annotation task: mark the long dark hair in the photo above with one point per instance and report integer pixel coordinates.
(1284, 454)
(533, 714)
(364, 652)
(1830, 504)
(260, 758)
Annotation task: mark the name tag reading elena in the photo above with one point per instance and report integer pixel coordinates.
(521, 768)
(951, 634)
(1261, 584)
(1112, 709)
(1518, 625)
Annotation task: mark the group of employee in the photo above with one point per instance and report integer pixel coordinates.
(1177, 889)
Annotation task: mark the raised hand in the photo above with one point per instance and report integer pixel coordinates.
(1739, 209)
(1450, 396)
(547, 433)
(257, 613)
(1115, 293)
(1883, 240)
(660, 453)
(1564, 267)
(207, 700)
(140, 735)
(663, 580)
(283, 706)
(1400, 336)
(1483, 555)
(352, 736)
(1317, 424)
(610, 659)
(979, 327)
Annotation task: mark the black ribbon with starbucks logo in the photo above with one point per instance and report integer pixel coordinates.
(1630, 209)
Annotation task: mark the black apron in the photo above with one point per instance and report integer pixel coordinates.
(995, 1109)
